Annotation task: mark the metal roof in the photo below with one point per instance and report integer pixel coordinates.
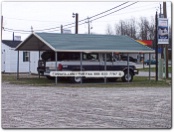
(11, 43)
(82, 43)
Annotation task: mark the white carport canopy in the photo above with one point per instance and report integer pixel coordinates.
(80, 43)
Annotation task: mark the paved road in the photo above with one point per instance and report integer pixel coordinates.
(152, 74)
(58, 107)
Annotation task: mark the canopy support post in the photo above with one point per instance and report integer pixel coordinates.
(149, 65)
(143, 60)
(105, 81)
(56, 67)
(81, 67)
(18, 66)
(38, 61)
(128, 67)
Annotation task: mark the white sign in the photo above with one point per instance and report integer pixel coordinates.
(87, 73)
(66, 31)
(17, 38)
(163, 32)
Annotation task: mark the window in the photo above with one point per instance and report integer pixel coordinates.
(26, 56)
(90, 56)
(68, 56)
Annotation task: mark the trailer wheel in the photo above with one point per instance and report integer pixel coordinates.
(127, 77)
(75, 79)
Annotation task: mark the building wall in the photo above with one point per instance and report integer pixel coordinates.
(23, 66)
(4, 48)
(9, 56)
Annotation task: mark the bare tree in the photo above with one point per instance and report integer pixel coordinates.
(109, 30)
(152, 29)
(142, 29)
(146, 29)
(127, 27)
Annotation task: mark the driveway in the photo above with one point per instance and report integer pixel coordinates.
(61, 107)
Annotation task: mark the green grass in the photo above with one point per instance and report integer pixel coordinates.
(152, 69)
(36, 81)
(26, 80)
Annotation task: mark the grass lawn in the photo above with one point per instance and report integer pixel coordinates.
(152, 69)
(43, 81)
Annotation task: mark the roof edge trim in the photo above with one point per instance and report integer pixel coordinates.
(37, 36)
(124, 51)
(40, 38)
(23, 42)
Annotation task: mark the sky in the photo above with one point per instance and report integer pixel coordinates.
(19, 17)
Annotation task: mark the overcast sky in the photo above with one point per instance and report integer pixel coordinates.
(20, 16)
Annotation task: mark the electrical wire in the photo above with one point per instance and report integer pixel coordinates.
(80, 20)
(58, 21)
(104, 15)
(114, 11)
(107, 10)
(16, 30)
(97, 14)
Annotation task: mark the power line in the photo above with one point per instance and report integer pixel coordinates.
(83, 19)
(113, 11)
(105, 15)
(80, 20)
(97, 14)
(30, 20)
(107, 10)
(24, 32)
(16, 30)
(59, 21)
(100, 14)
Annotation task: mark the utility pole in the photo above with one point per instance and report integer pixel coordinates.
(13, 36)
(32, 29)
(156, 42)
(89, 26)
(166, 46)
(61, 29)
(162, 54)
(76, 15)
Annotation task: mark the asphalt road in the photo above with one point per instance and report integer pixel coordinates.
(60, 107)
(152, 74)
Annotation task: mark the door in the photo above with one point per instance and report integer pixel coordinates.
(34, 57)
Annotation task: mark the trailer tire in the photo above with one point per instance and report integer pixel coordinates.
(76, 79)
(127, 77)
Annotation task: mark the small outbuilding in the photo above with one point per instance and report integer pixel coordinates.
(9, 58)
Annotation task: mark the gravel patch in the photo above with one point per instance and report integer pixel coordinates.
(61, 107)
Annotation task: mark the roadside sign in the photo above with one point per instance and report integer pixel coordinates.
(163, 32)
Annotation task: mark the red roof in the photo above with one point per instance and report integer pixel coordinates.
(145, 42)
